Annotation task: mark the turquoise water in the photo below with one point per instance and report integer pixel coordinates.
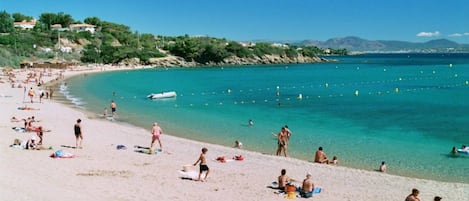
(407, 110)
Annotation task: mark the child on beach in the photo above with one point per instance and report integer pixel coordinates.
(203, 164)
(382, 168)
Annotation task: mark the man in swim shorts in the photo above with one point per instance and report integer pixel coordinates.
(113, 107)
(156, 132)
(203, 164)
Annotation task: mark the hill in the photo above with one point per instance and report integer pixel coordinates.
(356, 44)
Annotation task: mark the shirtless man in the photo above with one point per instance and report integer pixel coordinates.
(203, 164)
(283, 179)
(413, 196)
(113, 107)
(156, 132)
(281, 142)
(320, 156)
(307, 187)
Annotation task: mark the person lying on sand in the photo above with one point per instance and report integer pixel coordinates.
(27, 108)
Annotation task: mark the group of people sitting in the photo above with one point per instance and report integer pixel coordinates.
(306, 189)
(29, 127)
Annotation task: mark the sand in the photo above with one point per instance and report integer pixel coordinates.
(99, 171)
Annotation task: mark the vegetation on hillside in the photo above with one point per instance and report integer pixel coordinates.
(113, 43)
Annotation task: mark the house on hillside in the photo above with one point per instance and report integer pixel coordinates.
(58, 27)
(25, 24)
(82, 27)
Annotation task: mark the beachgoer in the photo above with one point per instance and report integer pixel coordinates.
(238, 144)
(281, 142)
(31, 94)
(39, 133)
(113, 107)
(454, 150)
(413, 196)
(288, 131)
(250, 122)
(203, 164)
(437, 198)
(78, 134)
(156, 132)
(105, 112)
(335, 161)
(382, 168)
(41, 94)
(51, 92)
(283, 180)
(307, 188)
(320, 156)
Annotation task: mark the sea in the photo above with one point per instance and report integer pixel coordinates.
(408, 110)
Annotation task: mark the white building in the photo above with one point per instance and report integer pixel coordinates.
(25, 24)
(82, 27)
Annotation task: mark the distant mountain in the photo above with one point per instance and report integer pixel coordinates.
(356, 44)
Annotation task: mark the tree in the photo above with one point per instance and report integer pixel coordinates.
(47, 19)
(6, 23)
(64, 19)
(18, 17)
(93, 21)
(237, 49)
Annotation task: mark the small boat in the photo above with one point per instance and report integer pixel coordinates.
(169, 94)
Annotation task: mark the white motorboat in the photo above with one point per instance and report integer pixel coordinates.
(169, 94)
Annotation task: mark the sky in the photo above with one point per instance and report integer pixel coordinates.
(271, 20)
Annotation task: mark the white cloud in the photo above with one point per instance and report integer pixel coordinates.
(429, 34)
(456, 35)
(459, 34)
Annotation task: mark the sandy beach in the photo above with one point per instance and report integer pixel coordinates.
(99, 171)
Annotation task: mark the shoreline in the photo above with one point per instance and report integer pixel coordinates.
(131, 171)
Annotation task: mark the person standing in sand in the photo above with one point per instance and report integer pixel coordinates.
(203, 164)
(113, 107)
(281, 142)
(413, 196)
(31, 94)
(320, 156)
(156, 132)
(78, 133)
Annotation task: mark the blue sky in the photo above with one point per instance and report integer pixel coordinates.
(245, 20)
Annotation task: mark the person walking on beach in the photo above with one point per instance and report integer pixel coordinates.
(31, 94)
(156, 132)
(413, 196)
(78, 134)
(41, 95)
(113, 107)
(320, 156)
(203, 164)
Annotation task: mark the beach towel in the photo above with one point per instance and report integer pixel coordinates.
(19, 129)
(317, 190)
(192, 174)
(61, 154)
